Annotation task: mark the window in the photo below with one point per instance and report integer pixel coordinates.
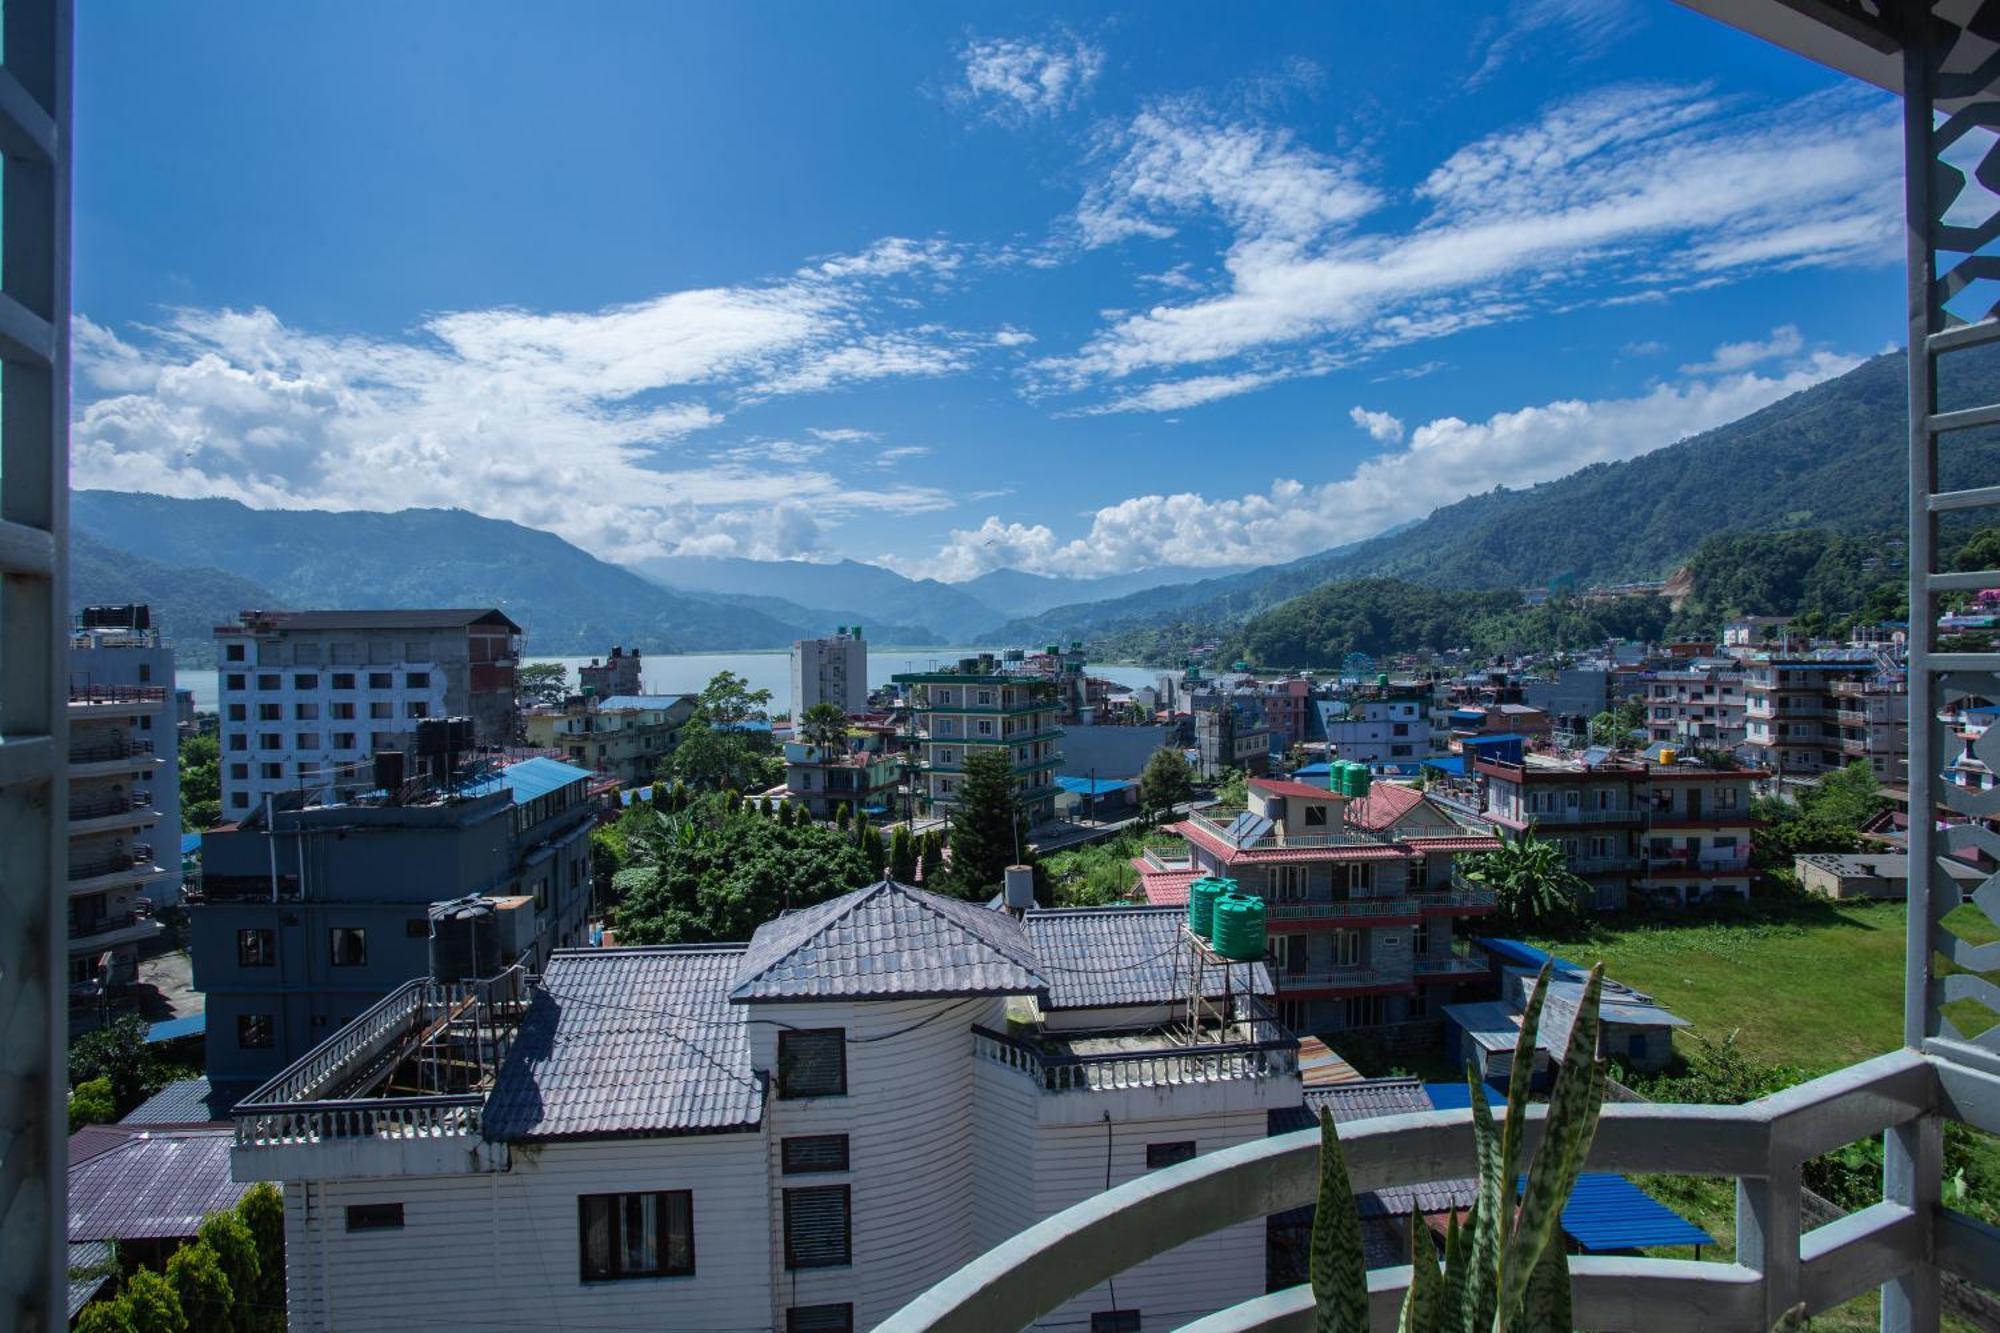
(271, 740)
(818, 1223)
(635, 1235)
(239, 772)
(1364, 1011)
(253, 1032)
(1288, 883)
(1114, 1321)
(1315, 816)
(820, 1318)
(416, 708)
(1346, 948)
(271, 772)
(305, 681)
(374, 1217)
(1418, 1005)
(1399, 729)
(305, 712)
(238, 713)
(233, 681)
(1420, 939)
(239, 742)
(270, 712)
(240, 800)
(1169, 1154)
(347, 946)
(339, 712)
(256, 947)
(308, 740)
(343, 680)
(809, 1154)
(812, 1063)
(270, 681)
(381, 680)
(381, 709)
(145, 672)
(233, 652)
(1351, 878)
(417, 680)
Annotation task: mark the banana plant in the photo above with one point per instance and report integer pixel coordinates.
(1504, 1270)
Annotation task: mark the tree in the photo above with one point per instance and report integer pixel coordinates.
(201, 783)
(111, 1316)
(824, 727)
(1532, 884)
(195, 1273)
(712, 758)
(1166, 781)
(91, 1103)
(1604, 729)
(262, 1209)
(153, 1304)
(544, 683)
(118, 1053)
(727, 700)
(873, 850)
(985, 824)
(236, 1254)
(1233, 788)
(902, 855)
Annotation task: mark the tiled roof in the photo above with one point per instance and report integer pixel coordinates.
(887, 941)
(92, 1140)
(1385, 803)
(1368, 1097)
(182, 1102)
(629, 1041)
(1303, 790)
(1095, 957)
(1164, 888)
(153, 1186)
(1373, 1097)
(1465, 844)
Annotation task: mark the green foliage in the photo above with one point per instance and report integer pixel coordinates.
(91, 1103)
(1533, 886)
(717, 871)
(842, 814)
(1232, 789)
(823, 726)
(1094, 875)
(107, 1316)
(728, 699)
(873, 849)
(262, 1210)
(195, 1273)
(710, 758)
(1166, 781)
(153, 1305)
(118, 1054)
(902, 855)
(1828, 579)
(1826, 818)
(1509, 1272)
(541, 683)
(201, 783)
(236, 1254)
(986, 824)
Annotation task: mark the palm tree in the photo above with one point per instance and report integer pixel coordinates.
(824, 726)
(1532, 883)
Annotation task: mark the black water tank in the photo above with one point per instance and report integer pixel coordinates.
(465, 939)
(389, 771)
(460, 734)
(433, 737)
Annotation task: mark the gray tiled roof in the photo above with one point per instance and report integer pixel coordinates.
(1358, 1101)
(93, 1258)
(887, 941)
(182, 1102)
(1095, 957)
(629, 1041)
(157, 1185)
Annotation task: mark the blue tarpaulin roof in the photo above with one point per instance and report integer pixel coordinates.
(1457, 1096)
(1607, 1212)
(190, 843)
(1528, 956)
(175, 1028)
(533, 778)
(1320, 770)
(1092, 786)
(1495, 739)
(1447, 763)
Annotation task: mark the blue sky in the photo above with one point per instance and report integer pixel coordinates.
(1071, 289)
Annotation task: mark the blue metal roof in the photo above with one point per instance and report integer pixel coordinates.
(1448, 763)
(1607, 1212)
(534, 778)
(1093, 786)
(1494, 739)
(194, 1025)
(1458, 1096)
(1528, 956)
(190, 843)
(1320, 770)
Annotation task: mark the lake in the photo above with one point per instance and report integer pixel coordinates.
(686, 673)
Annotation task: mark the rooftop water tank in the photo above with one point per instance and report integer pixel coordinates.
(1020, 886)
(1239, 928)
(465, 939)
(1203, 894)
(1361, 781)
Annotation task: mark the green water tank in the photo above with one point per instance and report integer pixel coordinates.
(1382, 681)
(1239, 928)
(1362, 780)
(1203, 894)
(1343, 777)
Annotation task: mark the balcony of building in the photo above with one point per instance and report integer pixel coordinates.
(112, 930)
(101, 758)
(1227, 825)
(1452, 968)
(1235, 1041)
(397, 1092)
(109, 813)
(102, 872)
(1399, 909)
(1336, 979)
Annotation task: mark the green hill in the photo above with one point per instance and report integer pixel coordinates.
(188, 602)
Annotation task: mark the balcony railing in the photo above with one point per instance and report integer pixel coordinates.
(1344, 909)
(117, 694)
(1339, 976)
(141, 855)
(1455, 965)
(1217, 824)
(1270, 1052)
(281, 1123)
(104, 806)
(1762, 1144)
(109, 750)
(1684, 864)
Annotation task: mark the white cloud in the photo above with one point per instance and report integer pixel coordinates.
(1649, 347)
(843, 435)
(1579, 29)
(1444, 460)
(1017, 78)
(582, 423)
(1784, 341)
(1381, 427)
(891, 457)
(1665, 188)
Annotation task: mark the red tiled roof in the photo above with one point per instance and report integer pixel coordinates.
(1467, 844)
(1385, 803)
(1164, 888)
(1303, 790)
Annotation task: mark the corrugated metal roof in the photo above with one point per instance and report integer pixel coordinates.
(182, 1102)
(93, 1256)
(91, 1140)
(1101, 957)
(887, 941)
(173, 1029)
(153, 1186)
(1093, 786)
(537, 777)
(629, 1041)
(450, 618)
(1608, 1212)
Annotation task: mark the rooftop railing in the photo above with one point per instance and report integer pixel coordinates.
(109, 750)
(1267, 1052)
(1217, 824)
(117, 694)
(1763, 1145)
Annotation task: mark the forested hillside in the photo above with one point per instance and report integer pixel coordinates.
(187, 602)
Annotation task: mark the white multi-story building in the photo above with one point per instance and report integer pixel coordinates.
(117, 862)
(800, 1133)
(1386, 729)
(307, 697)
(983, 702)
(831, 671)
(115, 649)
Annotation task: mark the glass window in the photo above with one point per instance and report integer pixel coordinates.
(812, 1063)
(270, 681)
(623, 1236)
(1169, 1154)
(233, 652)
(417, 708)
(1315, 816)
(807, 1154)
(381, 680)
(305, 681)
(308, 740)
(343, 680)
(253, 1031)
(271, 740)
(270, 712)
(818, 1227)
(340, 712)
(1115, 1321)
(347, 946)
(239, 772)
(256, 947)
(305, 712)
(233, 681)
(417, 680)
(374, 1217)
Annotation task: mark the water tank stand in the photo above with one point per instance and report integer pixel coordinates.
(1202, 1011)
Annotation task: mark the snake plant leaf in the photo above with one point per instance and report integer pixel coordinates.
(1482, 1281)
(1455, 1261)
(1518, 1088)
(1339, 1270)
(1566, 1133)
(1547, 1307)
(1423, 1303)
(1792, 1321)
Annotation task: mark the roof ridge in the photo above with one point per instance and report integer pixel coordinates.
(848, 902)
(648, 950)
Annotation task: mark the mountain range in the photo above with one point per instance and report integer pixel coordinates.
(1830, 457)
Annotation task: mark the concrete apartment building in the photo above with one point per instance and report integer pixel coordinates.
(831, 671)
(616, 675)
(1698, 707)
(1384, 728)
(308, 696)
(113, 649)
(122, 856)
(1361, 897)
(305, 922)
(624, 736)
(983, 701)
(1806, 716)
(868, 1095)
(1230, 732)
(1680, 831)
(1571, 696)
(864, 776)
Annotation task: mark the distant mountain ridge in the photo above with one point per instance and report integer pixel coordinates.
(869, 594)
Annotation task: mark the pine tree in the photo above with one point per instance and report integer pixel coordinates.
(985, 825)
(902, 855)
